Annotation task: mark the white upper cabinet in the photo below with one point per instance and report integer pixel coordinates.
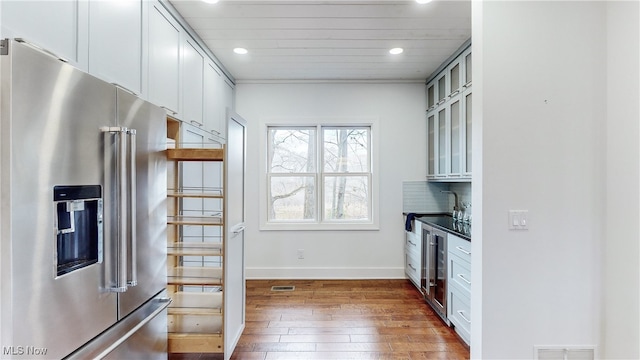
(57, 26)
(455, 78)
(467, 68)
(164, 59)
(115, 33)
(214, 113)
(229, 97)
(449, 121)
(455, 144)
(468, 128)
(192, 83)
(431, 96)
(442, 88)
(136, 44)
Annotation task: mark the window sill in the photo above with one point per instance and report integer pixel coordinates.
(319, 227)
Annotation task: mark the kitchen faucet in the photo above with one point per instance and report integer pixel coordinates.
(456, 204)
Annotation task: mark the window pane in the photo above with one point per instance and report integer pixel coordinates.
(346, 197)
(292, 198)
(346, 149)
(292, 150)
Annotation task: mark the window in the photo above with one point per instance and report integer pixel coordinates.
(319, 175)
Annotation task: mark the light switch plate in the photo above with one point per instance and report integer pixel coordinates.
(518, 219)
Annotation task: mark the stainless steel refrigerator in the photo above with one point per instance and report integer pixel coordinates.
(82, 214)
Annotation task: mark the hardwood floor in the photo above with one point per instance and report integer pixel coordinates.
(341, 319)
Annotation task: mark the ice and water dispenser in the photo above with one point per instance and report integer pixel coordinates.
(78, 226)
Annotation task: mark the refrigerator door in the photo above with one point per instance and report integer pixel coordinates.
(147, 270)
(50, 136)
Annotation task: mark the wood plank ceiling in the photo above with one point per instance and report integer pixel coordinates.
(330, 40)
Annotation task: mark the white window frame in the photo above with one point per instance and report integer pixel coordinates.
(319, 223)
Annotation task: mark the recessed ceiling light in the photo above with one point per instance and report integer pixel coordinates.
(396, 51)
(211, 1)
(240, 51)
(423, 1)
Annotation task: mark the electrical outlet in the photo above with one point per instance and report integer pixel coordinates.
(300, 253)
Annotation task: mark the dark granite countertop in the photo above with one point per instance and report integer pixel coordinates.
(445, 222)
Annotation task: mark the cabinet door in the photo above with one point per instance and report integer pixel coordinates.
(431, 95)
(431, 143)
(164, 59)
(468, 131)
(442, 141)
(192, 84)
(229, 97)
(234, 290)
(214, 112)
(115, 38)
(466, 60)
(442, 88)
(455, 148)
(455, 78)
(57, 26)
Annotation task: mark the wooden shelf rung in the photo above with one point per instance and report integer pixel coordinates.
(205, 194)
(185, 154)
(209, 299)
(194, 324)
(194, 220)
(195, 311)
(195, 343)
(194, 249)
(185, 275)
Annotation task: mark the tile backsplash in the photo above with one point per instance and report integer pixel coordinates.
(426, 197)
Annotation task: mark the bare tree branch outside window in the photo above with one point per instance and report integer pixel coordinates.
(342, 184)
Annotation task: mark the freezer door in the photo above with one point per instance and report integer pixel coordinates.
(50, 135)
(142, 335)
(146, 265)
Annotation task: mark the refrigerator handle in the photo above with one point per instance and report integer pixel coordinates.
(119, 210)
(132, 265)
(123, 201)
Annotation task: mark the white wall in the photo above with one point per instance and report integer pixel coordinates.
(542, 150)
(540, 79)
(337, 254)
(621, 305)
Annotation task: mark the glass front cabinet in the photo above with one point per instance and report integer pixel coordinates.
(449, 125)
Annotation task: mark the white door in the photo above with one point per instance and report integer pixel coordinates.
(234, 276)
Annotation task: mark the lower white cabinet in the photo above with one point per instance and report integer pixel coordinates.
(412, 268)
(413, 253)
(460, 314)
(459, 286)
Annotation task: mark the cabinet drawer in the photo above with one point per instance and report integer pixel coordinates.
(412, 267)
(460, 247)
(460, 273)
(416, 227)
(460, 314)
(412, 243)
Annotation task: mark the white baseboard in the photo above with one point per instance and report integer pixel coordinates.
(324, 273)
